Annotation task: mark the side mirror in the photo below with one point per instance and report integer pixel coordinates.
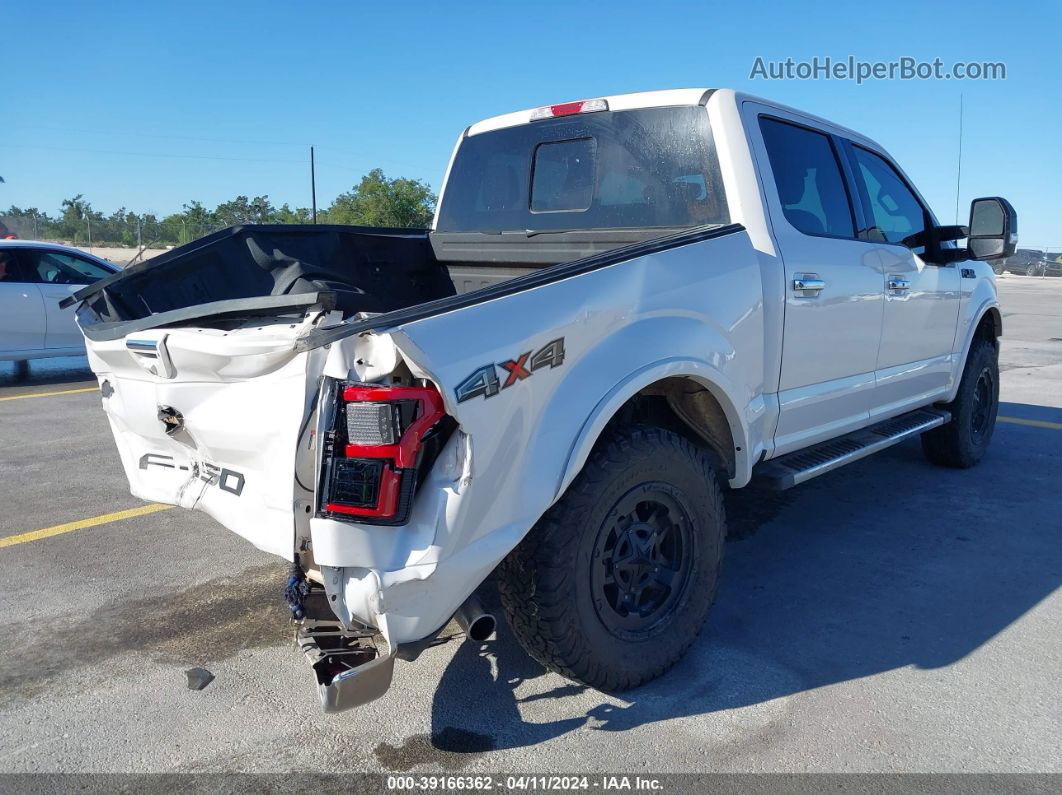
(993, 228)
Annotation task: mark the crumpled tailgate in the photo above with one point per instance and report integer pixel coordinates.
(211, 422)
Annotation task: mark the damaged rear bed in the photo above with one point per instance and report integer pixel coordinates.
(231, 370)
(244, 271)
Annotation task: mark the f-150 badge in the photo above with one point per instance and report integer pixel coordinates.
(225, 479)
(486, 382)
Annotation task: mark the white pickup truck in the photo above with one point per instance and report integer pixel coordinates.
(624, 306)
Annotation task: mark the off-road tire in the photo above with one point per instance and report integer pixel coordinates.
(960, 444)
(547, 584)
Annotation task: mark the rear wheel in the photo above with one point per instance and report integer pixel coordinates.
(614, 582)
(1032, 270)
(962, 442)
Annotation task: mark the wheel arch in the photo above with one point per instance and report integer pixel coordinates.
(988, 326)
(690, 397)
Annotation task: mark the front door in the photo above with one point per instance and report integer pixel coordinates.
(921, 299)
(833, 282)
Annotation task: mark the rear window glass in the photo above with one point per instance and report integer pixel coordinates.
(654, 167)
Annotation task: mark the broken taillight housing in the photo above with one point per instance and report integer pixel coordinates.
(381, 438)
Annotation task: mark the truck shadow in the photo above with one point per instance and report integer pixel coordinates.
(885, 564)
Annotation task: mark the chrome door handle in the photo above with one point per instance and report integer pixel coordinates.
(899, 283)
(808, 283)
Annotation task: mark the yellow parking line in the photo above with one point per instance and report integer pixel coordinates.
(1032, 423)
(81, 524)
(53, 394)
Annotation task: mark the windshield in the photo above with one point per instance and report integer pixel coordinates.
(631, 169)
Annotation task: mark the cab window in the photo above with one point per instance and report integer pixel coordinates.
(562, 177)
(808, 177)
(894, 212)
(624, 169)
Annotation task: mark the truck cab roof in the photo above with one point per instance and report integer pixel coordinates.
(667, 98)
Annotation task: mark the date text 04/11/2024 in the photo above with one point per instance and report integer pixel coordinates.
(523, 783)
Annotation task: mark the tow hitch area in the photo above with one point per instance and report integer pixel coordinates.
(350, 667)
(354, 665)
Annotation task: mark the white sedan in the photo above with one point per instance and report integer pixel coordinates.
(34, 278)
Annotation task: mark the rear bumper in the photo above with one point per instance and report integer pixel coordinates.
(350, 669)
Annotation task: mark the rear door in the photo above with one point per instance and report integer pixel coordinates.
(834, 295)
(22, 324)
(921, 298)
(58, 275)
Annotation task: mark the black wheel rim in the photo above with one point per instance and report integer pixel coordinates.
(981, 413)
(641, 561)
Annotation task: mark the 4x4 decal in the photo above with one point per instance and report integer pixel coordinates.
(485, 381)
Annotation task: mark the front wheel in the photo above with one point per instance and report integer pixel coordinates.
(962, 442)
(1032, 270)
(612, 585)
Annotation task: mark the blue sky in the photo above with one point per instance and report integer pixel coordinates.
(149, 105)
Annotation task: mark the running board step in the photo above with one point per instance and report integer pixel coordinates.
(788, 470)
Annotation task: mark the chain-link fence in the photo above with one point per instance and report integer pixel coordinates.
(122, 239)
(129, 230)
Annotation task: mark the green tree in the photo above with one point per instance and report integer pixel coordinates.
(198, 216)
(291, 215)
(193, 221)
(378, 201)
(74, 209)
(78, 218)
(242, 210)
(375, 201)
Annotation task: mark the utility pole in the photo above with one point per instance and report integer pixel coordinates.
(313, 186)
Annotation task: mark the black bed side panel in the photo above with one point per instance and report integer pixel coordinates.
(369, 269)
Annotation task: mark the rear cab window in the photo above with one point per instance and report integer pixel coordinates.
(562, 176)
(649, 168)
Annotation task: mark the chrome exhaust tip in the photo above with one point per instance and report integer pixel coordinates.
(477, 623)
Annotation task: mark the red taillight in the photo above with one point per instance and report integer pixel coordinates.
(374, 449)
(404, 453)
(383, 504)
